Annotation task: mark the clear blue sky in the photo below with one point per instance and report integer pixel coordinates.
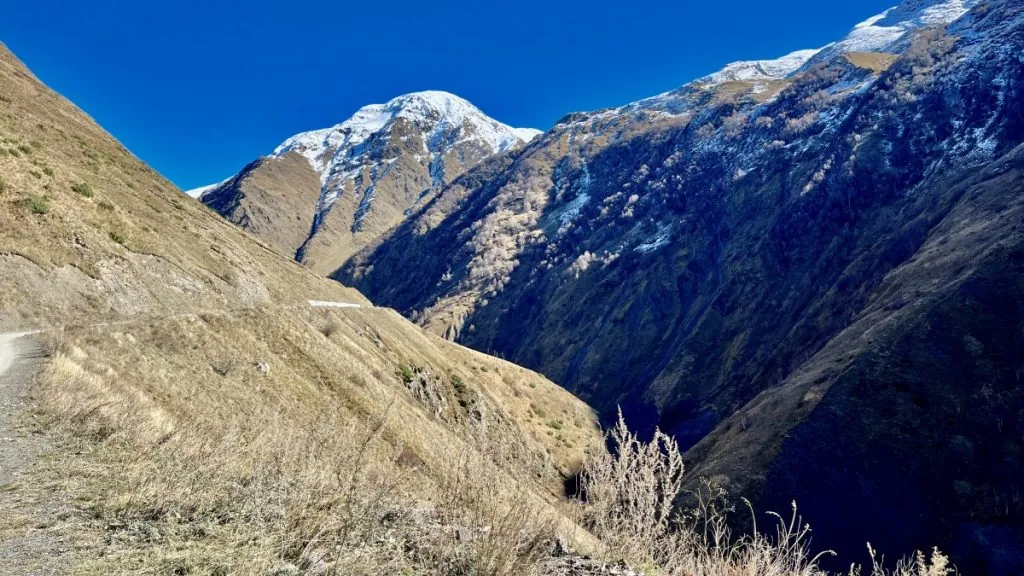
(199, 88)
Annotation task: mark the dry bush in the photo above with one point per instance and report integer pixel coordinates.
(630, 504)
(630, 495)
(937, 564)
(628, 501)
(802, 123)
(330, 327)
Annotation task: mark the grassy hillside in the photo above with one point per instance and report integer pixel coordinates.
(87, 231)
(205, 420)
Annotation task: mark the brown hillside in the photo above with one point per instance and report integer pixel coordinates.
(204, 419)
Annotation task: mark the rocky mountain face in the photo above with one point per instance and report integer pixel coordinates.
(810, 270)
(322, 195)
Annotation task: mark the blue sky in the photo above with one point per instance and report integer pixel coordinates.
(199, 88)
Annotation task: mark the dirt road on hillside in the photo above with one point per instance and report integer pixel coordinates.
(20, 360)
(28, 545)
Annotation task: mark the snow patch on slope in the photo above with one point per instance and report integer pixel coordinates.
(197, 193)
(761, 69)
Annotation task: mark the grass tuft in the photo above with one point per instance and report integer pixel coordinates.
(38, 204)
(83, 188)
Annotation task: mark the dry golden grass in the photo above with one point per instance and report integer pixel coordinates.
(251, 441)
(874, 61)
(88, 232)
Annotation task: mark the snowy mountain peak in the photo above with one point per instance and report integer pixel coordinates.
(438, 113)
(379, 164)
(880, 33)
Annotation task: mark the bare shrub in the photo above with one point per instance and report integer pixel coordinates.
(629, 503)
(935, 564)
(801, 124)
(628, 498)
(734, 123)
(630, 495)
(331, 327)
(54, 341)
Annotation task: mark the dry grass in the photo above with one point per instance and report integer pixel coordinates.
(322, 462)
(629, 502)
(485, 536)
(89, 232)
(874, 61)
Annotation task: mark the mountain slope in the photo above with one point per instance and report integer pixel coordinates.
(324, 194)
(204, 418)
(748, 259)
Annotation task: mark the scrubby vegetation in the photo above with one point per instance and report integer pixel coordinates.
(629, 500)
(38, 204)
(268, 489)
(83, 188)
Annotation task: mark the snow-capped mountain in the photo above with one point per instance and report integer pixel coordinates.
(322, 194)
(881, 33)
(445, 119)
(808, 269)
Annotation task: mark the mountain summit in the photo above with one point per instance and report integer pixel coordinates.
(323, 194)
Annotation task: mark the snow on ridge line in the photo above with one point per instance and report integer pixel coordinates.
(761, 69)
(197, 193)
(879, 33)
(441, 110)
(527, 134)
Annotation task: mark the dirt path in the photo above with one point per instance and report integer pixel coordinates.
(27, 544)
(20, 360)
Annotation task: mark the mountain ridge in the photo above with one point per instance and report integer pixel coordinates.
(379, 163)
(707, 259)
